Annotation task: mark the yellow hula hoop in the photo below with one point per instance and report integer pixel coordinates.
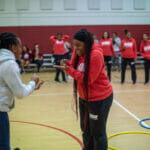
(121, 133)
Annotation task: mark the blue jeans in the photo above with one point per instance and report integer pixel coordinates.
(4, 131)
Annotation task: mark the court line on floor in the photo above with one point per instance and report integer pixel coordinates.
(54, 128)
(116, 102)
(70, 93)
(129, 112)
(52, 94)
(132, 91)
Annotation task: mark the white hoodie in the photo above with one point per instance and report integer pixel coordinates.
(10, 81)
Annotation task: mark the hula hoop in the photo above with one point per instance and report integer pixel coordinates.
(142, 123)
(121, 133)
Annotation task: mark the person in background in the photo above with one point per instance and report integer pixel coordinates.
(128, 50)
(145, 52)
(108, 50)
(95, 92)
(11, 85)
(68, 55)
(32, 55)
(38, 57)
(59, 53)
(25, 59)
(116, 44)
(68, 50)
(95, 38)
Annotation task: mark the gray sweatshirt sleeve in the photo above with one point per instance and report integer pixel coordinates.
(118, 41)
(13, 80)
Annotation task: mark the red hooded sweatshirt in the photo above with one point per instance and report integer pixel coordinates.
(145, 49)
(59, 45)
(130, 50)
(99, 87)
(107, 46)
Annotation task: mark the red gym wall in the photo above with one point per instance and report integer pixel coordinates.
(40, 34)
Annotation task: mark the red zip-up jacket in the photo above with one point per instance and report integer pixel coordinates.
(95, 44)
(99, 87)
(107, 46)
(130, 50)
(145, 49)
(59, 45)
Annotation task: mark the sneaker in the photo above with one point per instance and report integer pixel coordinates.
(122, 83)
(119, 70)
(22, 72)
(64, 81)
(57, 81)
(146, 83)
(69, 77)
(114, 70)
(134, 82)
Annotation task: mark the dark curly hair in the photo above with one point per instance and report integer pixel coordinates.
(7, 39)
(86, 37)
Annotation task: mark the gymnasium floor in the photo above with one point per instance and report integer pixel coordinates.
(52, 107)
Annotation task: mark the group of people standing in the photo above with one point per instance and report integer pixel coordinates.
(117, 53)
(123, 53)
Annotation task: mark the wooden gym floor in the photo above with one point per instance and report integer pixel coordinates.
(52, 107)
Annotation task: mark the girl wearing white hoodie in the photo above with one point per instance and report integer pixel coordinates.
(10, 83)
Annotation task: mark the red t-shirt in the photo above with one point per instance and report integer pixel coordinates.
(59, 45)
(99, 87)
(107, 46)
(145, 49)
(130, 50)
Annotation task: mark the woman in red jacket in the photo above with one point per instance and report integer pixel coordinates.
(145, 52)
(59, 52)
(92, 84)
(108, 51)
(129, 55)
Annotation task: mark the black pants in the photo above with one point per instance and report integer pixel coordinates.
(94, 135)
(58, 71)
(116, 62)
(146, 67)
(39, 64)
(131, 62)
(108, 62)
(67, 56)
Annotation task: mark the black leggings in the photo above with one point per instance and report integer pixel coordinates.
(108, 62)
(94, 135)
(39, 64)
(146, 67)
(131, 62)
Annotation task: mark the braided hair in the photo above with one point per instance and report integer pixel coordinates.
(84, 36)
(7, 39)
